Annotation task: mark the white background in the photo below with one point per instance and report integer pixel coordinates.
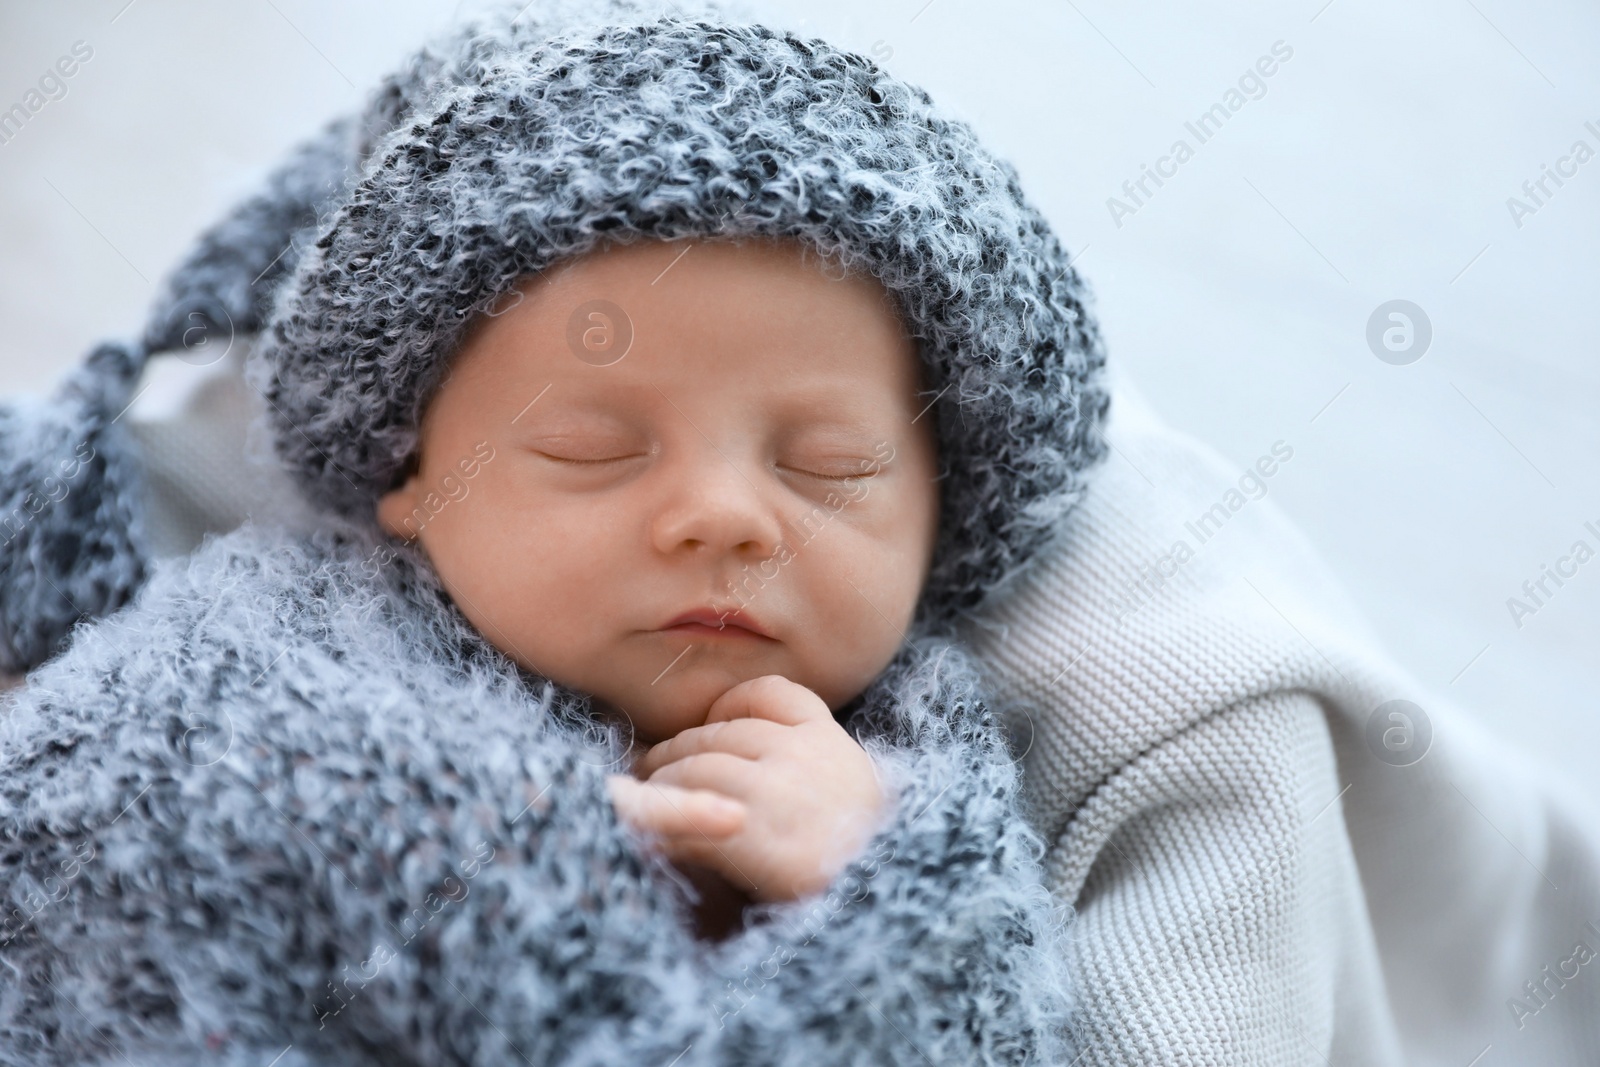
(1376, 166)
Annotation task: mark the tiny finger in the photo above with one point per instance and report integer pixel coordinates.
(672, 811)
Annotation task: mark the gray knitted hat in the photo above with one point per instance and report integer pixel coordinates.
(520, 142)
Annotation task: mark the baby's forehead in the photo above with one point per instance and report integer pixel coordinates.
(768, 323)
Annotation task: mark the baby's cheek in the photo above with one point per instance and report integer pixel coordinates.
(841, 659)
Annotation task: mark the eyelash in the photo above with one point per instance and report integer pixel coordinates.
(828, 477)
(618, 459)
(584, 462)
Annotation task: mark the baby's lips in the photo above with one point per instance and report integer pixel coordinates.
(718, 620)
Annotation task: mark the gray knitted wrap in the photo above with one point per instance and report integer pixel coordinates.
(291, 803)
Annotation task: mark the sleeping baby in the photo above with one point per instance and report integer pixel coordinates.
(668, 388)
(746, 414)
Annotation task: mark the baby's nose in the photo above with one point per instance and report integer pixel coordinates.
(719, 507)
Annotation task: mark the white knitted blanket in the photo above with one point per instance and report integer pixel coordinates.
(1265, 871)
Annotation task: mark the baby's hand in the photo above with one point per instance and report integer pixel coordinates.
(806, 795)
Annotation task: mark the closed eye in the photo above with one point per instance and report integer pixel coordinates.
(832, 477)
(582, 462)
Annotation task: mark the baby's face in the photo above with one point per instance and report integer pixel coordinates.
(755, 454)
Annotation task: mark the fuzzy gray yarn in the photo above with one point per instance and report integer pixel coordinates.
(676, 128)
(290, 797)
(72, 538)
